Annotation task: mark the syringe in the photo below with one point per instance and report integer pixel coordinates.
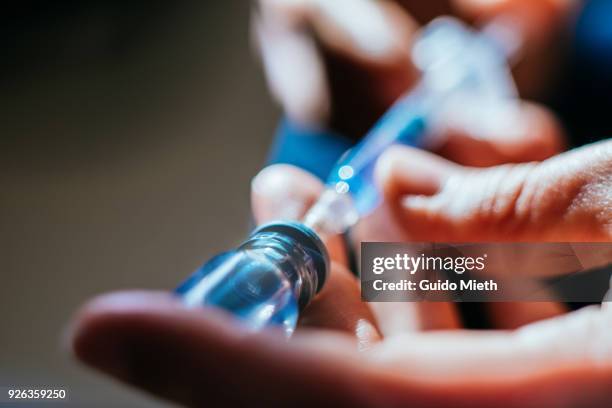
(465, 81)
(275, 273)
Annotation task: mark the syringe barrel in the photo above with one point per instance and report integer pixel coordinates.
(404, 123)
(465, 84)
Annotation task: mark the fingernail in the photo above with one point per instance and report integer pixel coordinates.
(366, 334)
(411, 171)
(415, 201)
(265, 182)
(493, 121)
(275, 197)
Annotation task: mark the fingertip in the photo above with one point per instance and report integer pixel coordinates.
(520, 133)
(150, 340)
(535, 136)
(385, 169)
(545, 132)
(282, 191)
(373, 31)
(513, 315)
(407, 171)
(94, 335)
(100, 310)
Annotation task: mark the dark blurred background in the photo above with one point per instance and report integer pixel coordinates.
(129, 134)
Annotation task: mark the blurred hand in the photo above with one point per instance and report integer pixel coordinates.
(349, 353)
(340, 64)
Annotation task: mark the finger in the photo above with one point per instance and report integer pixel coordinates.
(287, 53)
(566, 361)
(366, 29)
(531, 134)
(339, 64)
(425, 181)
(339, 307)
(397, 318)
(565, 198)
(197, 358)
(578, 339)
(512, 315)
(401, 317)
(285, 192)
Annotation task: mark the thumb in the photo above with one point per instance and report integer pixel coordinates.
(565, 198)
(285, 192)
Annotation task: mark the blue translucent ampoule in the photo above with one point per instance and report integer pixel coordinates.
(265, 281)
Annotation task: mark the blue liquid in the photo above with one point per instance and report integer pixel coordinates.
(264, 282)
(402, 124)
(253, 290)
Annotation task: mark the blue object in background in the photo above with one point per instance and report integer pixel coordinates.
(319, 152)
(313, 150)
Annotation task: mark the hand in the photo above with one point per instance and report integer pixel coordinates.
(428, 198)
(341, 64)
(346, 352)
(565, 198)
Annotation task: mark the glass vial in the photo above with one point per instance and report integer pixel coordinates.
(267, 280)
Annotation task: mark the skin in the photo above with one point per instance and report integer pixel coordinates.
(565, 198)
